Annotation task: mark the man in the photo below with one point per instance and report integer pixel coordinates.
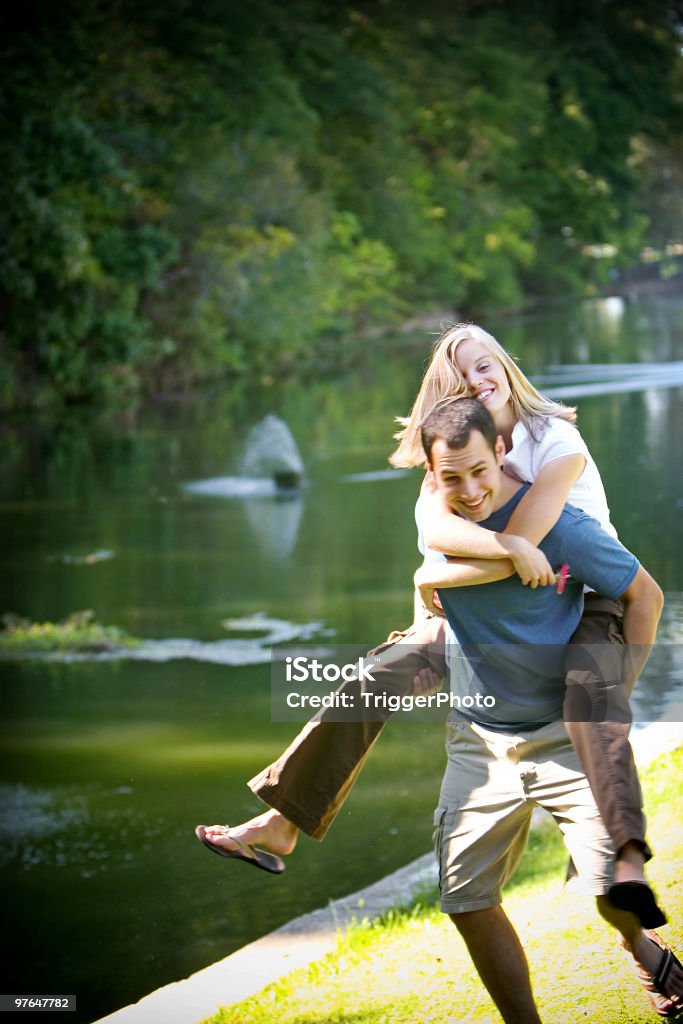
(505, 759)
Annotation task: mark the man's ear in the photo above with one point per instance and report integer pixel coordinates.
(500, 451)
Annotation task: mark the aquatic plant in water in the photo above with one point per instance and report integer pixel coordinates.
(78, 632)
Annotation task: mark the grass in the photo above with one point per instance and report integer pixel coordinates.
(411, 967)
(78, 632)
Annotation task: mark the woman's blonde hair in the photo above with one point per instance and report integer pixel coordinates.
(443, 378)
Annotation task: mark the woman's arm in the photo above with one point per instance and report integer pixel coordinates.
(462, 572)
(542, 505)
(534, 517)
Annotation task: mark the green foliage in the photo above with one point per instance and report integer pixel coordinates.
(78, 632)
(195, 193)
(75, 262)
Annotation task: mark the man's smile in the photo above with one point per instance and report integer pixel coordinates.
(472, 507)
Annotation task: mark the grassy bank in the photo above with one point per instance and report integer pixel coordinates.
(411, 967)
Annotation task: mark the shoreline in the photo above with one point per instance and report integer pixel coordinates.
(312, 935)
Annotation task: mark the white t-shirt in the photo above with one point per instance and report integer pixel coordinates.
(552, 439)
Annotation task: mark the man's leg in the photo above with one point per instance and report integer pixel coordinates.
(307, 785)
(481, 826)
(501, 963)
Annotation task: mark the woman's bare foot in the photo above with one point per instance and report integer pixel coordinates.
(270, 829)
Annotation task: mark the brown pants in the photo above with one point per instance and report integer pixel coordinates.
(310, 781)
(597, 716)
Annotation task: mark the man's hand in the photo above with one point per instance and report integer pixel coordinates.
(425, 682)
(531, 565)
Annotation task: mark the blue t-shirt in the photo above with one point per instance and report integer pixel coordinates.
(512, 639)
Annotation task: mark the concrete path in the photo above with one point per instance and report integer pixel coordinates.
(313, 935)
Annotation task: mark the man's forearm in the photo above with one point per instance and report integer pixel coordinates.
(640, 629)
(642, 612)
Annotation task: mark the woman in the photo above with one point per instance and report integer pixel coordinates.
(307, 785)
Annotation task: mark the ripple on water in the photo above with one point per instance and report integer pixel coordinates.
(234, 487)
(52, 827)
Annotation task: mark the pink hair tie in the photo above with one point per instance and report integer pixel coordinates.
(562, 575)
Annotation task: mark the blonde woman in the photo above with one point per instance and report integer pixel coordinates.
(307, 785)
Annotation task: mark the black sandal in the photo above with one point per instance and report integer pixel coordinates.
(669, 1007)
(251, 854)
(639, 899)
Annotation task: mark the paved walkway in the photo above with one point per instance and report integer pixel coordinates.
(312, 935)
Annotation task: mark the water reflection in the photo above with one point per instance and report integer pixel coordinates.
(658, 696)
(59, 828)
(579, 381)
(374, 475)
(271, 469)
(276, 524)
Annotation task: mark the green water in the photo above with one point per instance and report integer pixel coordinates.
(108, 766)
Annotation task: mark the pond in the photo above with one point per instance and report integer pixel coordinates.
(109, 764)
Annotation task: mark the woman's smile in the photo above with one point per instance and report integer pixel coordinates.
(483, 374)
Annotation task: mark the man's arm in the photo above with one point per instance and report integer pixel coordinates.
(643, 603)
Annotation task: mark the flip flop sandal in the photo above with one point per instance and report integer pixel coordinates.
(639, 899)
(670, 1007)
(250, 854)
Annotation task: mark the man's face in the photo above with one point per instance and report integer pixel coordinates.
(469, 478)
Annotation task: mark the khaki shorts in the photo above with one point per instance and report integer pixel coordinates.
(492, 783)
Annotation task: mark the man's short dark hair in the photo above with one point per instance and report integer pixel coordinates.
(453, 419)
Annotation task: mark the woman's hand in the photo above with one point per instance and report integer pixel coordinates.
(427, 592)
(531, 565)
(429, 483)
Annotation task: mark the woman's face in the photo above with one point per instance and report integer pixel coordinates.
(484, 375)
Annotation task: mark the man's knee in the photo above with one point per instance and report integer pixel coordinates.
(470, 922)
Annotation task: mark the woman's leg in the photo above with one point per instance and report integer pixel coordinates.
(597, 716)
(307, 785)
(310, 781)
(598, 719)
